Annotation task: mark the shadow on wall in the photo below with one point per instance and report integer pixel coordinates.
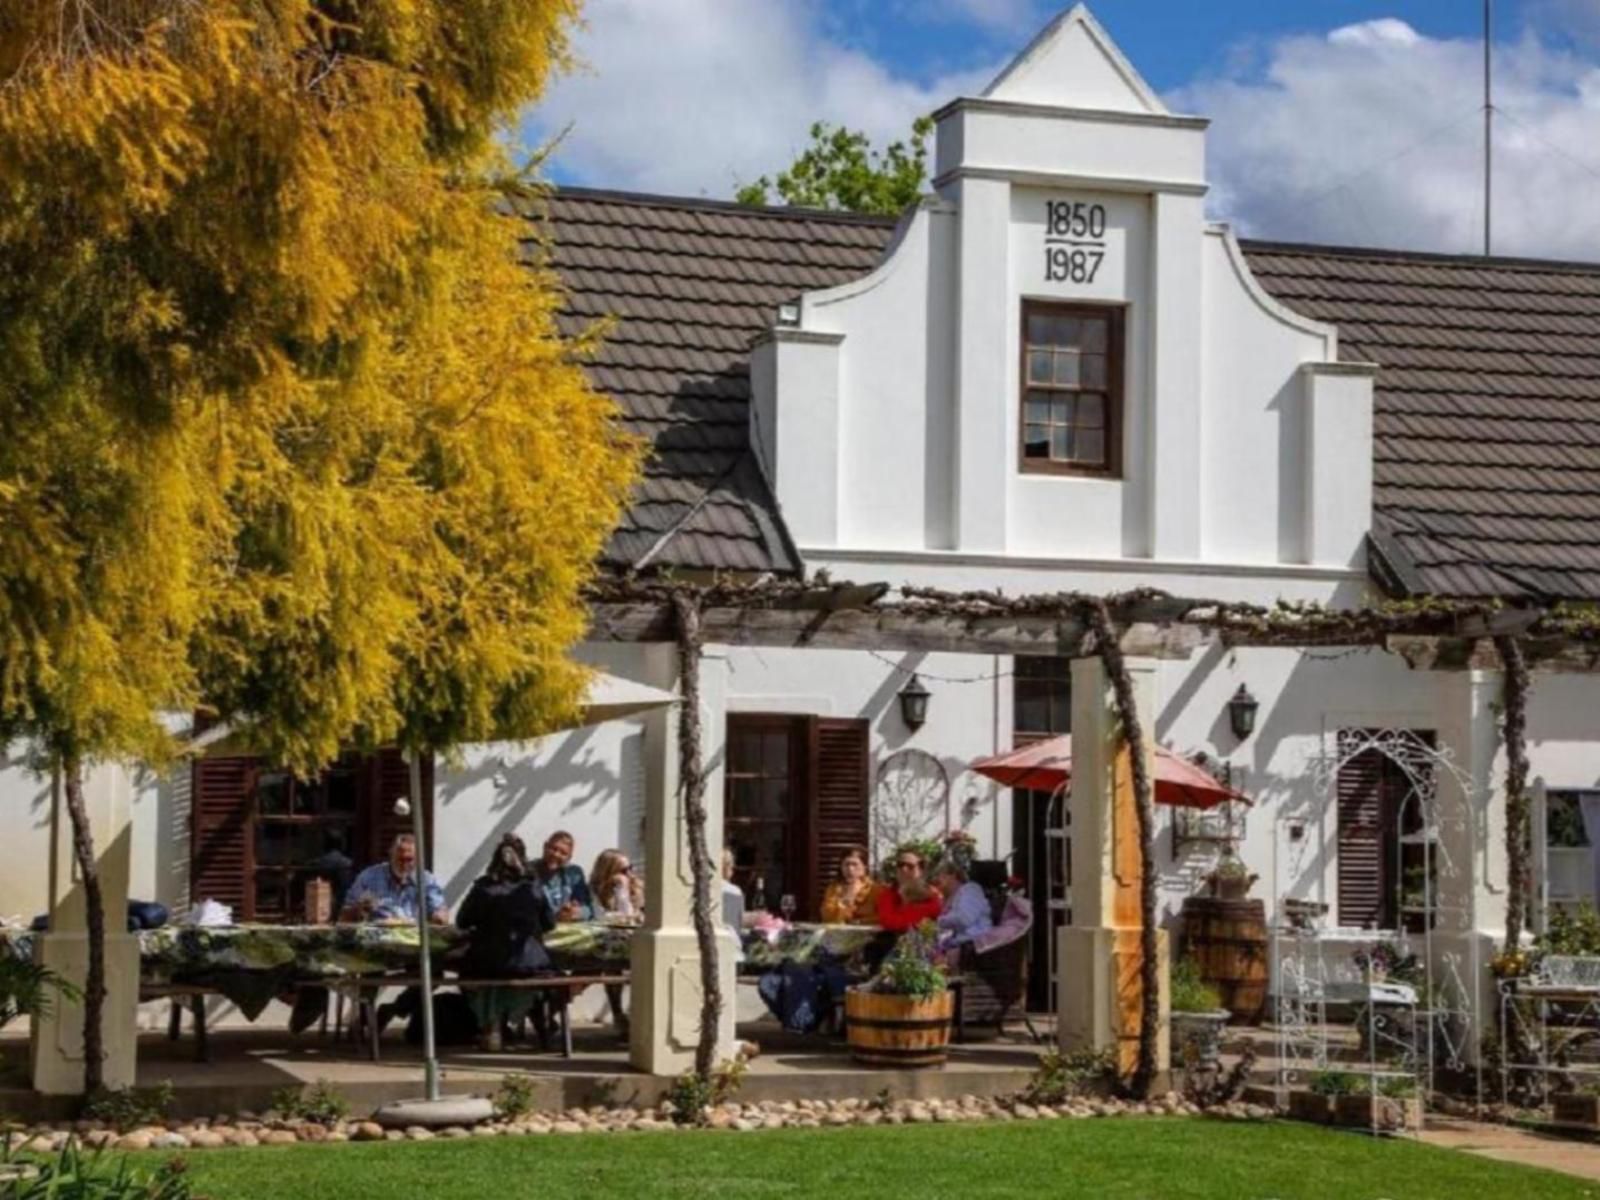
(537, 788)
(171, 793)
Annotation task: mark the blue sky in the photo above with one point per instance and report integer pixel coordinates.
(1173, 42)
(1349, 121)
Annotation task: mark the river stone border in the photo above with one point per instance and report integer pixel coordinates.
(270, 1129)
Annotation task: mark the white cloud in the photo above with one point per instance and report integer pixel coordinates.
(698, 96)
(1373, 135)
(1385, 31)
(1370, 134)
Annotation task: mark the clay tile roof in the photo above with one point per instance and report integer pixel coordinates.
(1487, 411)
(690, 285)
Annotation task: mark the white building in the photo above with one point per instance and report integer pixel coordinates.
(1054, 373)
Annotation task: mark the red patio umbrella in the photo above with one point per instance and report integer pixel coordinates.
(1047, 765)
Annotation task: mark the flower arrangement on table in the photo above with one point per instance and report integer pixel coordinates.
(768, 925)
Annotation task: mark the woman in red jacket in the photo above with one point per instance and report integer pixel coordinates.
(910, 901)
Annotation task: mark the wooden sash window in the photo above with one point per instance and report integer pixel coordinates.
(1071, 417)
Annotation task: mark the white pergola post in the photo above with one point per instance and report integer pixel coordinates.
(666, 991)
(1470, 891)
(1099, 952)
(57, 1044)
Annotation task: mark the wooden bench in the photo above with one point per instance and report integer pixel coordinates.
(365, 990)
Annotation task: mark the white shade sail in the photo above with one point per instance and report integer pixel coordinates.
(610, 698)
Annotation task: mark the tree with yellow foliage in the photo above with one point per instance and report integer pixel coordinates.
(291, 430)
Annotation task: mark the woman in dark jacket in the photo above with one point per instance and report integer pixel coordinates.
(507, 915)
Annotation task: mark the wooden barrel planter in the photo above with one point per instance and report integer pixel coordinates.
(1228, 938)
(898, 1031)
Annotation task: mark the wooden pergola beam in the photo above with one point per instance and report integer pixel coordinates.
(821, 614)
(888, 629)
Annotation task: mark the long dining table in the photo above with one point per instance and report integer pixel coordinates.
(250, 965)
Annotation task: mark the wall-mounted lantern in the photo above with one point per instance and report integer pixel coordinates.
(1242, 713)
(914, 703)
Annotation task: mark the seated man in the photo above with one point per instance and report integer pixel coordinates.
(387, 891)
(965, 913)
(564, 884)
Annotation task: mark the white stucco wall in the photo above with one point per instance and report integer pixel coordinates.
(160, 847)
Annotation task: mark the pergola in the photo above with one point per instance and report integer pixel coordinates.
(1106, 636)
(683, 963)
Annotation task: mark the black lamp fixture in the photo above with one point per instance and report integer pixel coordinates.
(1242, 713)
(914, 703)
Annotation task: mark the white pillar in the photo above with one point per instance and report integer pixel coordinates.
(985, 400)
(57, 1046)
(1471, 868)
(666, 991)
(1337, 504)
(1176, 430)
(1100, 951)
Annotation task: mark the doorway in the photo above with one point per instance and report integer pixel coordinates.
(1040, 821)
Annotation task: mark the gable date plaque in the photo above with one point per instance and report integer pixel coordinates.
(1074, 241)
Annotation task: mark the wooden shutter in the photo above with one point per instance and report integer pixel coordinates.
(388, 778)
(222, 857)
(1365, 842)
(839, 800)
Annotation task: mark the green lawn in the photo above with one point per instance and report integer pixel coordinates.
(1134, 1157)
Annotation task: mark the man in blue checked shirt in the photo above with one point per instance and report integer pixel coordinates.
(387, 891)
(564, 885)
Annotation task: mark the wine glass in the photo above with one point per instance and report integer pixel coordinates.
(787, 906)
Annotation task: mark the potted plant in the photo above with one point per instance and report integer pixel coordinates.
(1198, 1017)
(959, 847)
(901, 1017)
(1581, 1107)
(1395, 1108)
(1375, 961)
(1315, 1101)
(1231, 880)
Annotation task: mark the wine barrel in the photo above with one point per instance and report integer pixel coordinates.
(898, 1031)
(1228, 939)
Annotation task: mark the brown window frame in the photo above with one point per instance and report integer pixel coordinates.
(1116, 353)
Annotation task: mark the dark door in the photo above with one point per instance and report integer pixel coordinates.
(795, 796)
(764, 788)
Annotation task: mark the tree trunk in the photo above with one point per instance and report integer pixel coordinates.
(692, 780)
(1110, 651)
(94, 985)
(1514, 697)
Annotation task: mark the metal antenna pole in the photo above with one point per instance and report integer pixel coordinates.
(1488, 127)
(430, 1060)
